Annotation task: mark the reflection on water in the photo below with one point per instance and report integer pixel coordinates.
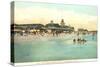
(31, 49)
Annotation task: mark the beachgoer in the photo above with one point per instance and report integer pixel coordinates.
(78, 39)
(74, 40)
(93, 34)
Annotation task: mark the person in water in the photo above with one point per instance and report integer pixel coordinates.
(79, 40)
(74, 40)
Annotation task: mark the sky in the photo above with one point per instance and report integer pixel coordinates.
(78, 16)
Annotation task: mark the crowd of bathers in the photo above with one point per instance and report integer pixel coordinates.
(79, 40)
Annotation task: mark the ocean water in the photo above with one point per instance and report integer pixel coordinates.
(51, 48)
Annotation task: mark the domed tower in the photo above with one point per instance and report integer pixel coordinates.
(62, 23)
(51, 21)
